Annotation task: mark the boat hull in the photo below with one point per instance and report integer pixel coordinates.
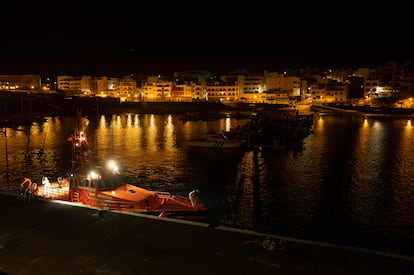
(127, 198)
(97, 182)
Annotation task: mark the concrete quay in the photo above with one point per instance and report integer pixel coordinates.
(48, 237)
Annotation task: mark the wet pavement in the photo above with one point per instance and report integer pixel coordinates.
(46, 237)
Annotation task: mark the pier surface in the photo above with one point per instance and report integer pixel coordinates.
(47, 237)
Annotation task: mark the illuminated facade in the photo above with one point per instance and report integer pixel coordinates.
(74, 85)
(328, 86)
(127, 90)
(329, 92)
(219, 91)
(30, 82)
(157, 90)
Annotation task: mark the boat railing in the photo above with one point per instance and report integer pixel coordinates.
(164, 194)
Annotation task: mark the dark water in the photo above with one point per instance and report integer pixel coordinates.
(352, 184)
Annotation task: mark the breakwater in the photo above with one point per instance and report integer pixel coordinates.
(22, 107)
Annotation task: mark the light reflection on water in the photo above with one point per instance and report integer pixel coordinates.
(352, 184)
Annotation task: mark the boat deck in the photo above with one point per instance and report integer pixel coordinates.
(47, 237)
(56, 191)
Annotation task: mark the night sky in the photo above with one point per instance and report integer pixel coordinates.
(204, 39)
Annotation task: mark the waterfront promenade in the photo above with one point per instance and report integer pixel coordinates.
(48, 237)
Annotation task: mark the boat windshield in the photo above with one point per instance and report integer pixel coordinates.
(102, 181)
(109, 182)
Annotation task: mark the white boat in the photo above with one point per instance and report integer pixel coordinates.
(216, 141)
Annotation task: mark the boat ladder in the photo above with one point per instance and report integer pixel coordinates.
(75, 197)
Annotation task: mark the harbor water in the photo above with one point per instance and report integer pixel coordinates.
(352, 183)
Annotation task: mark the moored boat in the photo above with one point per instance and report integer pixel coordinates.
(99, 183)
(216, 141)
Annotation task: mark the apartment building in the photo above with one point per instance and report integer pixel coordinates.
(126, 89)
(74, 85)
(29, 82)
(224, 92)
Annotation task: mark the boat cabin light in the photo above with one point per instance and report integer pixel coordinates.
(94, 175)
(82, 136)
